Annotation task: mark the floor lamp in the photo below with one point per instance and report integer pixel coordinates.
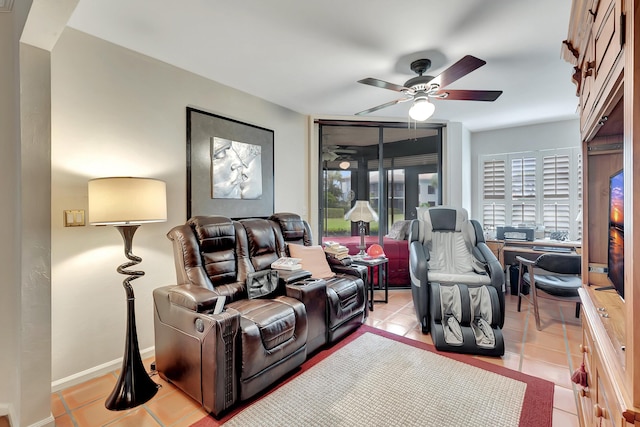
(361, 213)
(126, 203)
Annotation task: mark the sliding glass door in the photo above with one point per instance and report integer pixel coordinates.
(408, 176)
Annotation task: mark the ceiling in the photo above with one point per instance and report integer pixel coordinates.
(308, 55)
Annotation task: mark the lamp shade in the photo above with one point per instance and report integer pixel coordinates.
(126, 200)
(361, 211)
(421, 109)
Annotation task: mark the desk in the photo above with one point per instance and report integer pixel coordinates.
(507, 250)
(383, 277)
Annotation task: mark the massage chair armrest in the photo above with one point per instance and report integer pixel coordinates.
(192, 297)
(492, 265)
(287, 277)
(418, 262)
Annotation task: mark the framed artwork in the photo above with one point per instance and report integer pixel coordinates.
(229, 167)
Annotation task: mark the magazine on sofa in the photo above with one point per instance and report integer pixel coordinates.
(287, 263)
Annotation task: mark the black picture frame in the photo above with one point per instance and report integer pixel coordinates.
(203, 128)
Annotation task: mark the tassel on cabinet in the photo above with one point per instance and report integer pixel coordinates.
(580, 376)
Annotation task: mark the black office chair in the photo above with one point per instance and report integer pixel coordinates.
(556, 275)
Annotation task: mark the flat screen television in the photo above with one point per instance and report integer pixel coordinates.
(615, 262)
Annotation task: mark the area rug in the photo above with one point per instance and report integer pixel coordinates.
(375, 378)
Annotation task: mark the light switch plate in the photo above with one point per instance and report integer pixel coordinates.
(74, 218)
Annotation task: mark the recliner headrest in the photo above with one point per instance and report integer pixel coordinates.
(214, 232)
(294, 228)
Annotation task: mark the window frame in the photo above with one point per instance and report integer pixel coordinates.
(574, 199)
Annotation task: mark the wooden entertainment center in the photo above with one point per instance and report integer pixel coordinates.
(601, 44)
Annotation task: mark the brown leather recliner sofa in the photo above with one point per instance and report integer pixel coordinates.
(219, 359)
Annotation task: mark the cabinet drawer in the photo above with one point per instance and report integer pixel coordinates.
(606, 40)
(585, 401)
(605, 410)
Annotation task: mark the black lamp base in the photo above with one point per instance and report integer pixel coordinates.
(134, 386)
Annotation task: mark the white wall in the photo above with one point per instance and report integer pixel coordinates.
(561, 134)
(116, 112)
(9, 189)
(456, 168)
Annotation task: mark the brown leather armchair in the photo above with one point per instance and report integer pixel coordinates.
(218, 359)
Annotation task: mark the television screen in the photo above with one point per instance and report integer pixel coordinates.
(616, 232)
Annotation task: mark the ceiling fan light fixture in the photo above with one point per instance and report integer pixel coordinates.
(344, 165)
(421, 109)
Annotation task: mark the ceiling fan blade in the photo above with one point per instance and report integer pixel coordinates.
(468, 95)
(380, 107)
(382, 84)
(458, 70)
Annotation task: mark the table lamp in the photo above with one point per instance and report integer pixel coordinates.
(126, 203)
(361, 213)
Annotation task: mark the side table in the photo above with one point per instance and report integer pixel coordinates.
(383, 277)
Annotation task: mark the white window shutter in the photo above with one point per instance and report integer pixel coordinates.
(523, 213)
(556, 217)
(523, 178)
(493, 180)
(555, 177)
(493, 215)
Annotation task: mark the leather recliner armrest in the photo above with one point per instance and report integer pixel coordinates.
(183, 336)
(196, 298)
(287, 277)
(359, 271)
(343, 262)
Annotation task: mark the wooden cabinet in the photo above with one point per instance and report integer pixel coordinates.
(603, 44)
(596, 38)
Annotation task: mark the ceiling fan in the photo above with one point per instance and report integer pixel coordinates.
(419, 89)
(335, 152)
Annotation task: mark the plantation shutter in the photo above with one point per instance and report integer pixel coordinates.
(522, 213)
(555, 177)
(523, 178)
(493, 215)
(493, 180)
(556, 217)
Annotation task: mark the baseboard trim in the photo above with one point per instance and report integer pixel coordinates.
(95, 372)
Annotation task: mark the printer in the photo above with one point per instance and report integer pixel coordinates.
(515, 233)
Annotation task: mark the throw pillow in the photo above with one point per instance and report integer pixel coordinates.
(313, 259)
(399, 230)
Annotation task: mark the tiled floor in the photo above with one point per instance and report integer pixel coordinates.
(552, 354)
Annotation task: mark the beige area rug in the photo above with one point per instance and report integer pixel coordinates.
(376, 379)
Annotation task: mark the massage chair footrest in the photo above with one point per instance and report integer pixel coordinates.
(465, 319)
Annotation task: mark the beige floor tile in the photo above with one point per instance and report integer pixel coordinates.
(57, 407)
(95, 414)
(136, 418)
(559, 375)
(565, 399)
(90, 391)
(61, 421)
(394, 328)
(172, 407)
(544, 354)
(190, 419)
(564, 419)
